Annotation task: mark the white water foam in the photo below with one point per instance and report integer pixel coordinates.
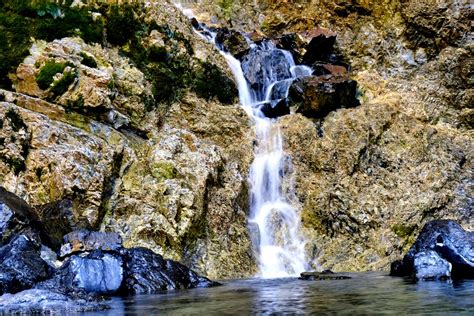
(280, 245)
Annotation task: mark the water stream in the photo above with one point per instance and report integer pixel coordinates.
(273, 219)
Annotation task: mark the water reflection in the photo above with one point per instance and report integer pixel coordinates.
(369, 293)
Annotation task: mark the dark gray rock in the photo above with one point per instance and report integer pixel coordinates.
(45, 302)
(21, 266)
(147, 272)
(263, 66)
(273, 111)
(428, 265)
(84, 240)
(450, 241)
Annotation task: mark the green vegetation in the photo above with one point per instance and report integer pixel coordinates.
(46, 75)
(210, 81)
(403, 231)
(171, 69)
(88, 60)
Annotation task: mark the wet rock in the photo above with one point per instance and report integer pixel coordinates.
(15, 215)
(449, 241)
(428, 265)
(57, 220)
(39, 301)
(325, 275)
(86, 276)
(260, 64)
(21, 265)
(84, 240)
(290, 42)
(147, 272)
(273, 111)
(232, 41)
(317, 96)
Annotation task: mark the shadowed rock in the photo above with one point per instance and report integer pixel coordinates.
(280, 109)
(15, 215)
(57, 220)
(21, 265)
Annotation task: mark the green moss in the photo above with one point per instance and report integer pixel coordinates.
(62, 85)
(46, 75)
(403, 231)
(88, 60)
(16, 121)
(209, 82)
(121, 24)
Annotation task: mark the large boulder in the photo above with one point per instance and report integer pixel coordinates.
(21, 265)
(37, 301)
(320, 47)
(451, 243)
(146, 272)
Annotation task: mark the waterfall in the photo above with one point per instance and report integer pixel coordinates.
(263, 78)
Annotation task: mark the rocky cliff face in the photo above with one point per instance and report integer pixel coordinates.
(142, 133)
(147, 146)
(368, 178)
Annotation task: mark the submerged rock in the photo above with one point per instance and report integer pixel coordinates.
(440, 245)
(84, 240)
(21, 265)
(325, 275)
(146, 272)
(45, 302)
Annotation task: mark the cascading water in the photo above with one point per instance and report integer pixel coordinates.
(268, 75)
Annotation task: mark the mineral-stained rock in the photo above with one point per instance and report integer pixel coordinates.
(317, 96)
(428, 265)
(37, 301)
(84, 240)
(21, 265)
(441, 243)
(146, 272)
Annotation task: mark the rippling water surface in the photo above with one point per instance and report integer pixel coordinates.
(365, 293)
